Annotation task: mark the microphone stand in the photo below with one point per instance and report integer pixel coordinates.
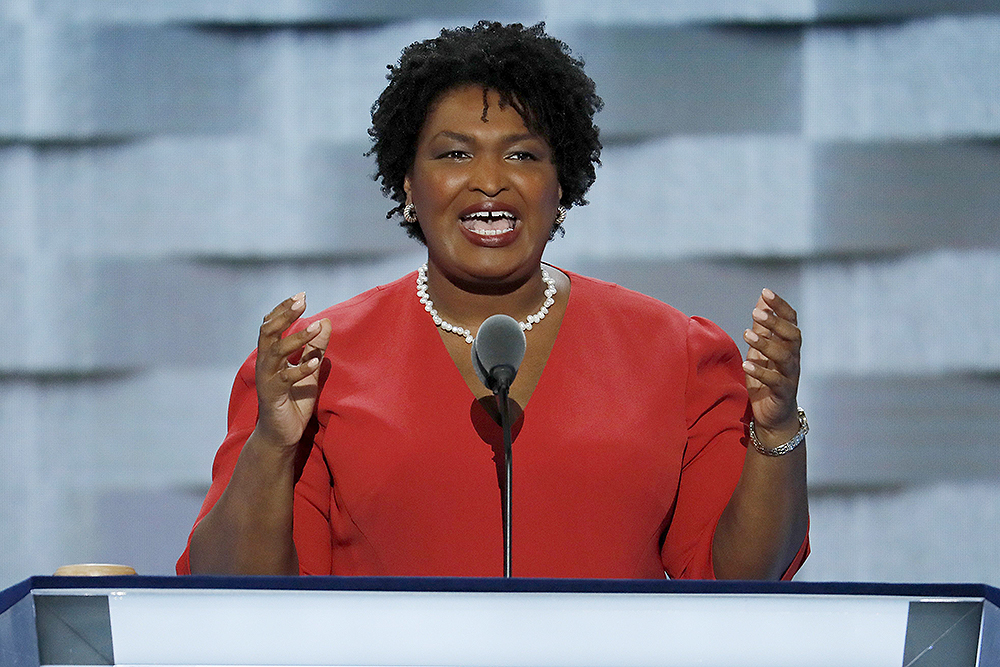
(501, 340)
(503, 376)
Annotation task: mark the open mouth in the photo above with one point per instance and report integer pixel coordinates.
(489, 223)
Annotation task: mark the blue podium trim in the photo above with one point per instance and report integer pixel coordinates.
(10, 596)
(456, 584)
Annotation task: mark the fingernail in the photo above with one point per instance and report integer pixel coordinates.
(760, 315)
(299, 296)
(768, 294)
(313, 328)
(748, 366)
(751, 336)
(312, 363)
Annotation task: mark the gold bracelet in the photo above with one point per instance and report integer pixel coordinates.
(781, 450)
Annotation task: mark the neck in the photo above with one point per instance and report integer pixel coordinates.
(468, 304)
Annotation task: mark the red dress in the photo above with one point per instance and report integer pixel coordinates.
(628, 450)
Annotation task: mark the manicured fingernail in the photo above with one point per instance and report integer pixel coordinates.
(748, 366)
(312, 363)
(760, 315)
(751, 336)
(313, 328)
(768, 294)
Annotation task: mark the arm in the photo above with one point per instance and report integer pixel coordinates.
(766, 520)
(249, 529)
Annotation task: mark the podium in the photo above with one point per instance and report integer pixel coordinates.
(135, 620)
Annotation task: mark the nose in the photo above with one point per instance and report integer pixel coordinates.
(489, 175)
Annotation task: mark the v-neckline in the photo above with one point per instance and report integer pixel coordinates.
(455, 374)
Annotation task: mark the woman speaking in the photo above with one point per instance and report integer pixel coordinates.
(362, 442)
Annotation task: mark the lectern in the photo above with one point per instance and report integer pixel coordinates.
(493, 622)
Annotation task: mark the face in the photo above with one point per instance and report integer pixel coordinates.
(485, 193)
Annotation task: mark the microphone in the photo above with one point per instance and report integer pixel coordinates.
(497, 351)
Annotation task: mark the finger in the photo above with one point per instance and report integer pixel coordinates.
(780, 307)
(784, 355)
(281, 317)
(270, 358)
(295, 373)
(316, 347)
(310, 343)
(758, 326)
(755, 355)
(296, 302)
(759, 331)
(775, 380)
(767, 323)
(296, 342)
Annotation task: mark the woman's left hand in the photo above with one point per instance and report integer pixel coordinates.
(772, 367)
(766, 520)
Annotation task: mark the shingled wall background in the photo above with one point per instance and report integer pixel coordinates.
(171, 169)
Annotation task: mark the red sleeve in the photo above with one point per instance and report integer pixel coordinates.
(311, 509)
(800, 558)
(716, 407)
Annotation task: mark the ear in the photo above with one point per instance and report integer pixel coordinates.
(406, 188)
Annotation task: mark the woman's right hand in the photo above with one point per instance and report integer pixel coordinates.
(249, 530)
(286, 393)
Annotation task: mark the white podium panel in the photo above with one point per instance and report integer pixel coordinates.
(511, 629)
(485, 623)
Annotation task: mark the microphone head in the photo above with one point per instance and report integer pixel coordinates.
(499, 342)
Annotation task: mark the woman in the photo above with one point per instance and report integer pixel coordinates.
(358, 439)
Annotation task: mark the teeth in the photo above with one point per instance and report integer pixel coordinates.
(491, 232)
(490, 223)
(491, 215)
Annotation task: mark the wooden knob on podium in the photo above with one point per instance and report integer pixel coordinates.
(93, 570)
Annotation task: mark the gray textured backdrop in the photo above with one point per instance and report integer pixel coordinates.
(171, 169)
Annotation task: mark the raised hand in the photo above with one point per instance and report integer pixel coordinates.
(765, 523)
(286, 391)
(772, 366)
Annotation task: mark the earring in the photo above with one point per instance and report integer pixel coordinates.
(560, 216)
(410, 214)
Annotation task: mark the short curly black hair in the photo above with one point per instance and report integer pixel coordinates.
(530, 70)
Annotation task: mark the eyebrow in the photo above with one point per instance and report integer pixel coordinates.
(509, 139)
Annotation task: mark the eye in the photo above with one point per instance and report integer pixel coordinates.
(522, 156)
(455, 154)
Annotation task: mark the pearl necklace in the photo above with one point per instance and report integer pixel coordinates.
(529, 321)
